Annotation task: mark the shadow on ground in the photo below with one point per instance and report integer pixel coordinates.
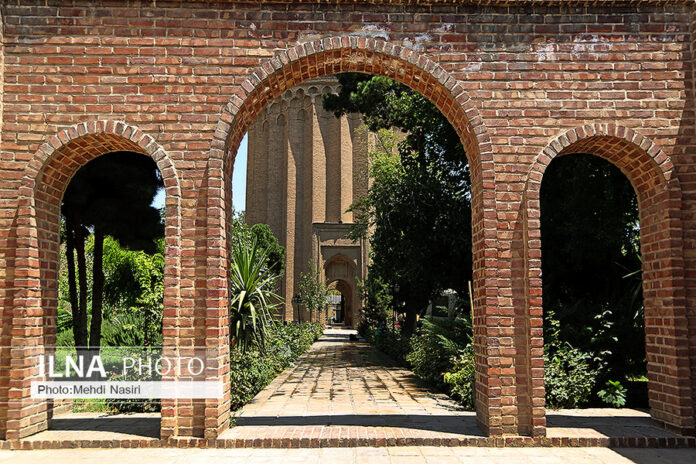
(138, 426)
(460, 424)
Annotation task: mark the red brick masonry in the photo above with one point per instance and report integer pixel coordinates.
(521, 81)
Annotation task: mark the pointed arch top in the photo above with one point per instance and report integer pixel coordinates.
(86, 141)
(334, 55)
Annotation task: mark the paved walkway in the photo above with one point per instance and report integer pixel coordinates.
(343, 384)
(398, 455)
(348, 388)
(347, 394)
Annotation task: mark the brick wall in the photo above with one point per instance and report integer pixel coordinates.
(182, 81)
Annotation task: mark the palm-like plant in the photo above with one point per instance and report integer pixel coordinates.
(252, 297)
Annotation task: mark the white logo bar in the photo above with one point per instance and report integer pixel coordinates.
(127, 390)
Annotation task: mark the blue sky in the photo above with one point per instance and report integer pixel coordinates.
(238, 180)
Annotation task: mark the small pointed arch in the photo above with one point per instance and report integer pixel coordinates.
(652, 175)
(39, 198)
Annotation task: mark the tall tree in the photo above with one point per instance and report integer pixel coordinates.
(418, 205)
(111, 195)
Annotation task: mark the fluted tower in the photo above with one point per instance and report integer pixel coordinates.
(305, 168)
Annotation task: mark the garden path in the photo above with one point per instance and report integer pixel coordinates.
(346, 390)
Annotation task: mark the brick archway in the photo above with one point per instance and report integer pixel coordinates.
(374, 56)
(652, 176)
(348, 284)
(39, 198)
(347, 291)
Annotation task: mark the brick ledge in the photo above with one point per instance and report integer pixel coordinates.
(495, 442)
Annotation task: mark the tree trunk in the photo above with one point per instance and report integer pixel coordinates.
(81, 325)
(72, 283)
(97, 290)
(415, 306)
(410, 322)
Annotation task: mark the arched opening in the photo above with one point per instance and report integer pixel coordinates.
(340, 274)
(368, 56)
(45, 183)
(658, 200)
(341, 312)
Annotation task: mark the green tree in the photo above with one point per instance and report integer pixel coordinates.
(313, 292)
(243, 234)
(111, 195)
(417, 213)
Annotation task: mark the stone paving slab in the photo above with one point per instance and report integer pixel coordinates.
(360, 455)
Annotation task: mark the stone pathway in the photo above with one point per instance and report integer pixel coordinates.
(398, 455)
(349, 390)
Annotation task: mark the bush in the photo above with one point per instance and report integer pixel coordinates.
(434, 346)
(613, 394)
(460, 378)
(392, 342)
(251, 371)
(568, 376)
(377, 303)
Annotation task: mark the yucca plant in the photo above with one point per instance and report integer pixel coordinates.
(252, 297)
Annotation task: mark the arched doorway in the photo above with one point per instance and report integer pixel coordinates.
(659, 201)
(340, 273)
(375, 56)
(36, 286)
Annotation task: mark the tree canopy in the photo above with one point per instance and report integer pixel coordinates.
(111, 195)
(418, 206)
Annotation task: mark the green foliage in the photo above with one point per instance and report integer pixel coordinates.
(312, 290)
(613, 394)
(111, 195)
(268, 242)
(461, 376)
(569, 374)
(377, 304)
(392, 342)
(591, 264)
(244, 235)
(252, 370)
(417, 212)
(149, 303)
(251, 296)
(133, 296)
(433, 347)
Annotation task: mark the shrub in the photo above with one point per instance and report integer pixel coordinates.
(460, 378)
(251, 297)
(377, 303)
(568, 376)
(434, 346)
(252, 370)
(613, 394)
(392, 342)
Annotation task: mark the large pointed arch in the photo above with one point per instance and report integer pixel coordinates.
(371, 56)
